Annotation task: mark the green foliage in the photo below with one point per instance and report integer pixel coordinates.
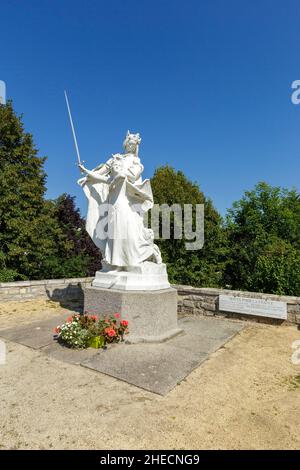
(258, 247)
(73, 334)
(6, 274)
(263, 231)
(9, 275)
(81, 331)
(200, 267)
(38, 238)
(82, 257)
(22, 207)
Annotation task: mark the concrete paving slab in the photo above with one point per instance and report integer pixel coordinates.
(36, 335)
(197, 344)
(160, 367)
(154, 367)
(72, 356)
(210, 327)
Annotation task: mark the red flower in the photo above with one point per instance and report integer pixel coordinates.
(69, 319)
(117, 315)
(57, 330)
(124, 322)
(110, 332)
(94, 317)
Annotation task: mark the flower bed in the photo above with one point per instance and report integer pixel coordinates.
(83, 331)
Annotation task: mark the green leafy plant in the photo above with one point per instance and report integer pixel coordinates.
(82, 331)
(200, 267)
(263, 230)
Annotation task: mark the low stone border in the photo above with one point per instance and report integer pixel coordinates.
(205, 301)
(53, 289)
(191, 300)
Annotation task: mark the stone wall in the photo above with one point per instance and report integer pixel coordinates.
(204, 301)
(191, 300)
(53, 289)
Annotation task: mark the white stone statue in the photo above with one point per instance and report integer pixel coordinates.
(117, 201)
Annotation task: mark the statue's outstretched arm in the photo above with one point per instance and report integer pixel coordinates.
(95, 175)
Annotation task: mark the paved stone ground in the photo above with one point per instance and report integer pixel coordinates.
(157, 368)
(246, 395)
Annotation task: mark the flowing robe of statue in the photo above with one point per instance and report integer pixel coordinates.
(118, 199)
(120, 188)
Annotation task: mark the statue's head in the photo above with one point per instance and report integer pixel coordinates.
(131, 142)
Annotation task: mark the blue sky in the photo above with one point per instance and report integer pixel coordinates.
(206, 83)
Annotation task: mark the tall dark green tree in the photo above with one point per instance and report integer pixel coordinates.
(27, 232)
(264, 239)
(202, 267)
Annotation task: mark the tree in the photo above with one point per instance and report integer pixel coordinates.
(202, 267)
(264, 239)
(82, 255)
(38, 238)
(26, 227)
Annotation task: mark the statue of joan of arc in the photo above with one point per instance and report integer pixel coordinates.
(118, 185)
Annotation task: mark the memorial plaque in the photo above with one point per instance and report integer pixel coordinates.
(252, 306)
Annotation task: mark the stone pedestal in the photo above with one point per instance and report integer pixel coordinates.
(152, 315)
(147, 276)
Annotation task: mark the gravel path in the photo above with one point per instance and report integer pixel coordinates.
(246, 396)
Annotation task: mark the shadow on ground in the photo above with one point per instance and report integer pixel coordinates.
(70, 297)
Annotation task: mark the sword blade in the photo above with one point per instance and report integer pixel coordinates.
(72, 127)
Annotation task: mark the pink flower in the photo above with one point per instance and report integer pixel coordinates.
(57, 330)
(94, 317)
(110, 332)
(69, 319)
(124, 322)
(117, 315)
